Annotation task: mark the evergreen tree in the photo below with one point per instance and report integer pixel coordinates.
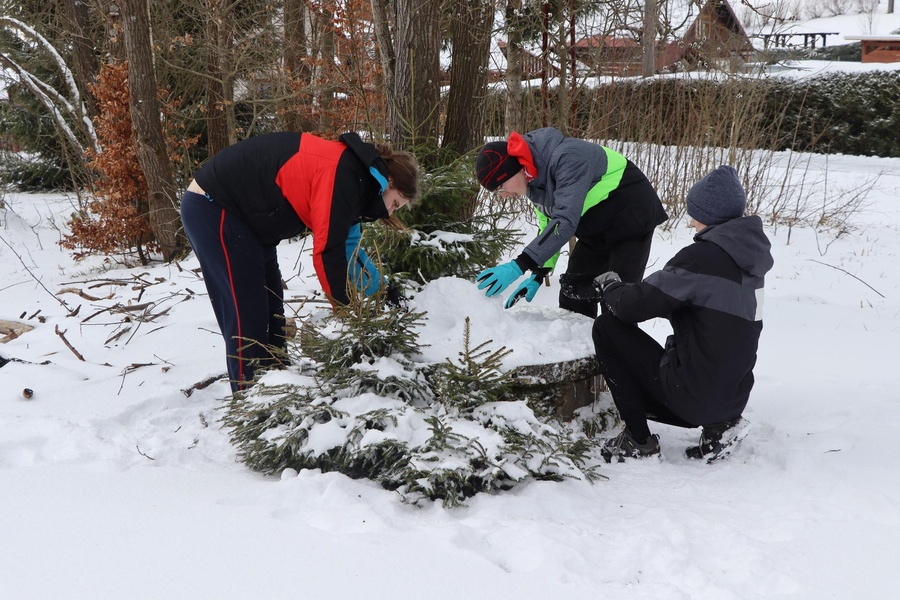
(450, 232)
(356, 401)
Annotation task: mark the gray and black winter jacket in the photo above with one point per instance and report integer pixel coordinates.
(568, 169)
(712, 293)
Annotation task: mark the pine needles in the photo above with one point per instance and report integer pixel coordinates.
(356, 401)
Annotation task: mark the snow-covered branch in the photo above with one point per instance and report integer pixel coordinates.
(30, 82)
(44, 92)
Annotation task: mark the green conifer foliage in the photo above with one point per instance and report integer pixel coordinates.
(451, 232)
(357, 401)
(475, 379)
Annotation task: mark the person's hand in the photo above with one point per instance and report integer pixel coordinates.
(581, 286)
(496, 279)
(527, 289)
(393, 296)
(604, 280)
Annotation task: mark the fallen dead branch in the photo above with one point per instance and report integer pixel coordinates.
(135, 366)
(142, 453)
(203, 383)
(117, 335)
(848, 273)
(132, 307)
(10, 330)
(62, 336)
(83, 294)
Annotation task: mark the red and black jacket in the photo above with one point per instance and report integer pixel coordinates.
(286, 184)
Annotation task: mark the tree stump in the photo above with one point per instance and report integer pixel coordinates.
(566, 386)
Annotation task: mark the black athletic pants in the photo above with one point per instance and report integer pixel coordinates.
(628, 258)
(629, 360)
(244, 284)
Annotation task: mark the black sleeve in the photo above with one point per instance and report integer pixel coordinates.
(657, 296)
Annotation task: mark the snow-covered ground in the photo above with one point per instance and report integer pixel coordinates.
(115, 484)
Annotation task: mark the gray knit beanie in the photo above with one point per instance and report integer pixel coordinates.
(717, 198)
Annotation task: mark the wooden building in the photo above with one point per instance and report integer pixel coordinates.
(716, 38)
(531, 65)
(608, 55)
(879, 48)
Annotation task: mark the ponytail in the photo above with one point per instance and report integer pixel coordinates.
(402, 168)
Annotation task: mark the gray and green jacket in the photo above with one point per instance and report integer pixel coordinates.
(712, 294)
(585, 190)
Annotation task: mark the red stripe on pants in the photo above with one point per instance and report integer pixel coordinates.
(237, 312)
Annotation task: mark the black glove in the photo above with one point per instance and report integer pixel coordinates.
(579, 286)
(604, 280)
(583, 286)
(393, 296)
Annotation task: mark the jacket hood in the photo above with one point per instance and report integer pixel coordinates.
(373, 205)
(745, 242)
(543, 143)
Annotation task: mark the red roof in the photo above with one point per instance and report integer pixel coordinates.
(602, 40)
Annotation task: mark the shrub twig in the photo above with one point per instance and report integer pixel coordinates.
(848, 273)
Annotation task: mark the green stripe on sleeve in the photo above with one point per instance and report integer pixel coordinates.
(616, 164)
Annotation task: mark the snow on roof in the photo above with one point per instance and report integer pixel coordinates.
(843, 26)
(890, 38)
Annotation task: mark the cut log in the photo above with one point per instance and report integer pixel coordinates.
(10, 330)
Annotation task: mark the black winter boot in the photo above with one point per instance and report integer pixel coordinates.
(719, 439)
(624, 446)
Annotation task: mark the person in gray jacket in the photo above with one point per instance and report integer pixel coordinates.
(578, 189)
(711, 292)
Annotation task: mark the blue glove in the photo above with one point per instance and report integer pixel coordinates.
(497, 279)
(527, 289)
(362, 271)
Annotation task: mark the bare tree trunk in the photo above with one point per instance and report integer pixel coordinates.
(890, 7)
(513, 117)
(574, 125)
(151, 147)
(113, 26)
(415, 117)
(384, 26)
(324, 80)
(298, 71)
(228, 73)
(87, 64)
(562, 90)
(651, 16)
(472, 25)
(216, 119)
(545, 63)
